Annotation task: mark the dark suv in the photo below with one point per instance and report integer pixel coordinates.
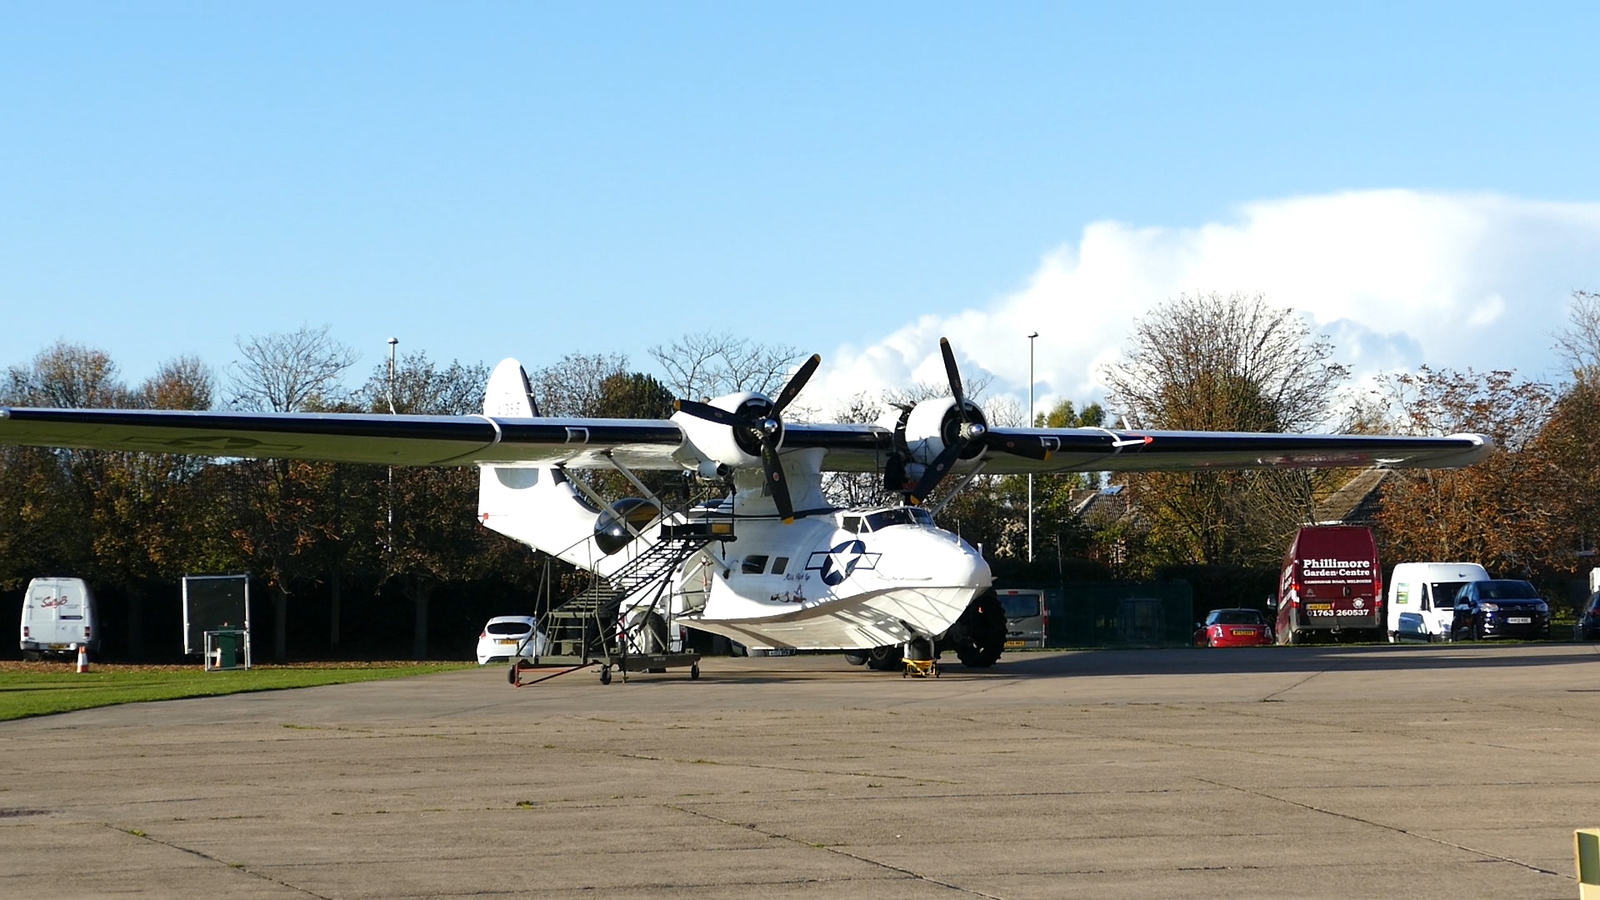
(1588, 627)
(1500, 608)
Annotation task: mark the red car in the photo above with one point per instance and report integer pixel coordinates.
(1233, 628)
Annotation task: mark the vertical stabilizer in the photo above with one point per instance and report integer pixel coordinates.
(536, 506)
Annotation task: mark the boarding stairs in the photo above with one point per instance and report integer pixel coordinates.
(585, 630)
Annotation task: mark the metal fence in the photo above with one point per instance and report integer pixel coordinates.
(1120, 614)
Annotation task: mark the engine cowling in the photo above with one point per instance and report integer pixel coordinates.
(926, 429)
(618, 523)
(730, 446)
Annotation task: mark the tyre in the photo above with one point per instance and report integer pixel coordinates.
(694, 671)
(511, 676)
(979, 636)
(605, 674)
(884, 659)
(856, 658)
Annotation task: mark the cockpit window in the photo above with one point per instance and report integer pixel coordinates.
(852, 524)
(907, 515)
(754, 564)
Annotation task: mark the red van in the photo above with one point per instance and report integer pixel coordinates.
(1331, 586)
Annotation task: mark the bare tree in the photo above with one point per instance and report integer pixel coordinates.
(572, 385)
(1579, 343)
(290, 371)
(709, 365)
(1224, 363)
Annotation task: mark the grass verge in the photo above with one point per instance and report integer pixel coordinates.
(41, 689)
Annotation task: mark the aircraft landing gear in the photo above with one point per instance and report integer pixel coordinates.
(605, 674)
(979, 636)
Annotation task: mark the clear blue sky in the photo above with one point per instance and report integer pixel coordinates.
(484, 180)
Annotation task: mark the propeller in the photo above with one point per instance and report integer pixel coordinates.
(762, 423)
(967, 433)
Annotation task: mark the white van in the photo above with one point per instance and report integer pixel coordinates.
(57, 616)
(1422, 598)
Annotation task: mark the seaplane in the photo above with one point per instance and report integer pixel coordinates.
(770, 563)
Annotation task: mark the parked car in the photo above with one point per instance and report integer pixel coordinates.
(507, 637)
(1588, 627)
(1500, 608)
(1233, 628)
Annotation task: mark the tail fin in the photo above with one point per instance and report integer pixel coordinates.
(509, 395)
(535, 506)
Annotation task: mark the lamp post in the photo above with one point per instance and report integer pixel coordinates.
(393, 342)
(1031, 336)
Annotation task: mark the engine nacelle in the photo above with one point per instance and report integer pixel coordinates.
(733, 446)
(925, 430)
(618, 524)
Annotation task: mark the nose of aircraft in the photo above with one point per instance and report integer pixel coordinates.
(934, 557)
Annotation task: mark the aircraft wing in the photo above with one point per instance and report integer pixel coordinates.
(660, 443)
(351, 437)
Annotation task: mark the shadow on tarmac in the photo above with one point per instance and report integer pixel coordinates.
(1244, 660)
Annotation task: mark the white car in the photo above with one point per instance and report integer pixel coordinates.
(507, 637)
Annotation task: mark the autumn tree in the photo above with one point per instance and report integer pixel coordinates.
(283, 508)
(1210, 362)
(1507, 512)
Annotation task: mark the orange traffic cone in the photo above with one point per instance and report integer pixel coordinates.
(83, 658)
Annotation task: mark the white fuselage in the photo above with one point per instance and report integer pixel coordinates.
(845, 579)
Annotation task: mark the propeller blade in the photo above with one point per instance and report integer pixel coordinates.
(790, 390)
(777, 484)
(954, 374)
(934, 473)
(707, 411)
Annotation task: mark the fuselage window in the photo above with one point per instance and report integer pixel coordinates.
(780, 564)
(753, 565)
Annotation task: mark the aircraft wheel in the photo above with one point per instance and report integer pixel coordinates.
(883, 658)
(983, 632)
(694, 671)
(856, 659)
(605, 674)
(511, 675)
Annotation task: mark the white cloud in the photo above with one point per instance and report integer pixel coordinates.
(1396, 278)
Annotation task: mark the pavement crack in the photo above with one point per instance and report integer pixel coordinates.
(200, 854)
(1279, 693)
(1375, 824)
(837, 851)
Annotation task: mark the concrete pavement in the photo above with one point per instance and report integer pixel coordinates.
(1446, 771)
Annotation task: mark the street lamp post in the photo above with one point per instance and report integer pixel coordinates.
(1031, 336)
(393, 342)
